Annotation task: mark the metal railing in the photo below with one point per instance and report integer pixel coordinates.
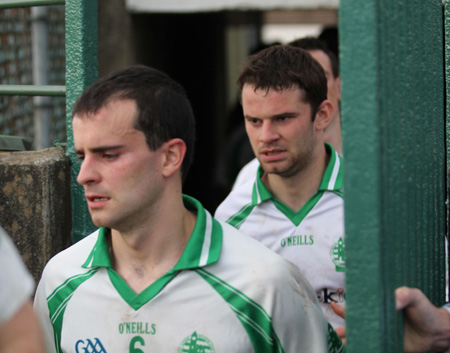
(31, 90)
(21, 3)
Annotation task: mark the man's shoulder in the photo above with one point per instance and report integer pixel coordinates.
(239, 197)
(247, 172)
(242, 251)
(72, 258)
(248, 265)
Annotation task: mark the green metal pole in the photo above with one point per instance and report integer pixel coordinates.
(394, 147)
(5, 4)
(32, 90)
(81, 72)
(447, 83)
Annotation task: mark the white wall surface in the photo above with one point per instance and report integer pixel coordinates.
(218, 5)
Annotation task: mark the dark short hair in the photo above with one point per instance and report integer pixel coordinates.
(312, 43)
(163, 109)
(282, 67)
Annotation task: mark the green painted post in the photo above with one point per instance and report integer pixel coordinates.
(81, 72)
(394, 148)
(6, 4)
(447, 85)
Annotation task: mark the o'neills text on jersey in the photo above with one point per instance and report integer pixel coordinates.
(143, 328)
(297, 240)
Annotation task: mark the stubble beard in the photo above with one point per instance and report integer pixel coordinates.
(295, 167)
(298, 164)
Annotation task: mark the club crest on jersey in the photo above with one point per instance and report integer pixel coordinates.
(89, 346)
(196, 343)
(337, 254)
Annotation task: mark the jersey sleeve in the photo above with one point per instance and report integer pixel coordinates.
(42, 310)
(16, 284)
(298, 320)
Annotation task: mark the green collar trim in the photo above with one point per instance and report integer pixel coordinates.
(205, 244)
(332, 180)
(202, 249)
(99, 256)
(299, 216)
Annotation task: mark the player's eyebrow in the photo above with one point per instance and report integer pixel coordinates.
(280, 115)
(100, 149)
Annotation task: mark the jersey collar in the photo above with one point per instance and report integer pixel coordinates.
(202, 249)
(332, 179)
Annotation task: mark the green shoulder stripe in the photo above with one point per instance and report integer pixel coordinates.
(339, 193)
(252, 316)
(237, 219)
(57, 302)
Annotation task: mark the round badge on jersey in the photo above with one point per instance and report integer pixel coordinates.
(196, 343)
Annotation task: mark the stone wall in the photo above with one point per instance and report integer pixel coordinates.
(35, 203)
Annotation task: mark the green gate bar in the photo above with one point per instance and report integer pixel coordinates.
(32, 90)
(394, 149)
(447, 85)
(23, 3)
(81, 72)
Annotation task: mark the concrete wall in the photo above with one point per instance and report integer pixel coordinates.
(35, 203)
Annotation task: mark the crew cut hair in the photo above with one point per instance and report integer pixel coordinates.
(281, 67)
(163, 108)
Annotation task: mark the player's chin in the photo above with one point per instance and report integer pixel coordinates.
(98, 220)
(276, 169)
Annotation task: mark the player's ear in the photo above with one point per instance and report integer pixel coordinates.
(173, 155)
(324, 115)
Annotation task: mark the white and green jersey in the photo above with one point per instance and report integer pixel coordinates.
(312, 238)
(16, 283)
(227, 293)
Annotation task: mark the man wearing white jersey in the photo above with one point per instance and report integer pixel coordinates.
(293, 203)
(162, 275)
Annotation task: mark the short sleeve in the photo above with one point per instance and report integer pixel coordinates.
(16, 283)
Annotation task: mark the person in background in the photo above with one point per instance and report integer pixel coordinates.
(293, 202)
(20, 331)
(330, 64)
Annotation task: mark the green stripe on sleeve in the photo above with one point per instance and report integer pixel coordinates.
(238, 218)
(253, 317)
(58, 300)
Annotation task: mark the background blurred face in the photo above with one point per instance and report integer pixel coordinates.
(333, 83)
(280, 128)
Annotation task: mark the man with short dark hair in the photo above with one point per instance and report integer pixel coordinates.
(162, 275)
(293, 203)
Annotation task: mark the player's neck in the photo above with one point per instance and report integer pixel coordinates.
(144, 255)
(296, 190)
